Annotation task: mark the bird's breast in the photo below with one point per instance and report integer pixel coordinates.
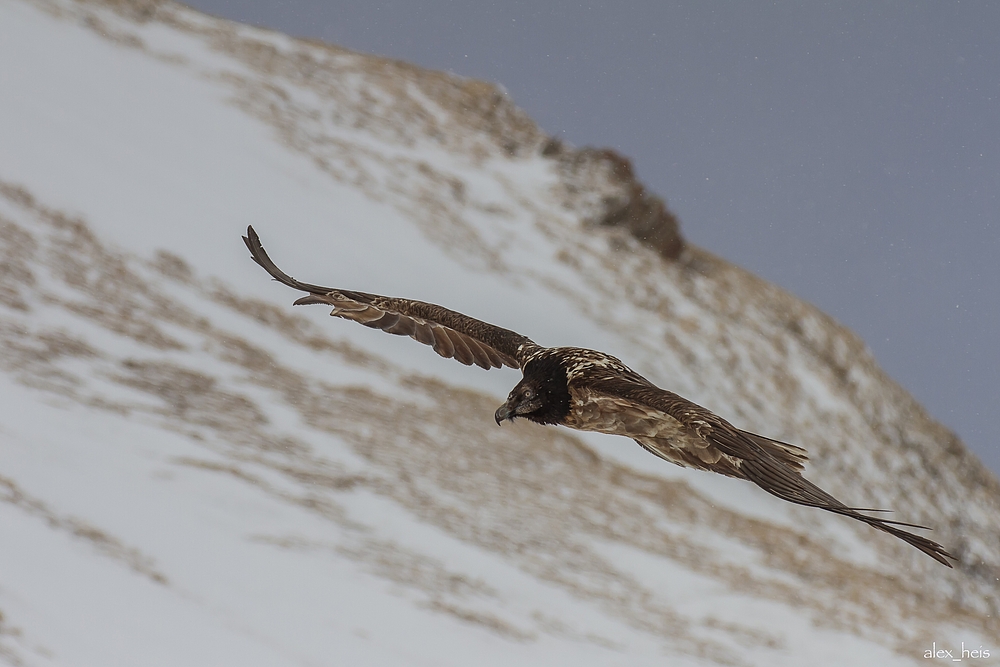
(591, 411)
(657, 431)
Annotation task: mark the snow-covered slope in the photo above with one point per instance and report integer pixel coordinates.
(192, 473)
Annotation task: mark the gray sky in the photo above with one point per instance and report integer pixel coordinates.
(849, 151)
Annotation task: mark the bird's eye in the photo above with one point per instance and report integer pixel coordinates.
(529, 394)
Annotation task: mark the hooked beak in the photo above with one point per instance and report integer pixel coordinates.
(504, 412)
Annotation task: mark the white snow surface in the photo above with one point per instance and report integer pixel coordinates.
(192, 473)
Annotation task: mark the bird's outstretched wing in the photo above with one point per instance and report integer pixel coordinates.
(451, 334)
(755, 458)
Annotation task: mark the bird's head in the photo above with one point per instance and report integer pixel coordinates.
(523, 400)
(541, 396)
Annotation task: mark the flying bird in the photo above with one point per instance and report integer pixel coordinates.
(592, 391)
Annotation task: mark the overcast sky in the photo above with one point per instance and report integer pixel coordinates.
(848, 151)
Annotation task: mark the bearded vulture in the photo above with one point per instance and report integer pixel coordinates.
(593, 391)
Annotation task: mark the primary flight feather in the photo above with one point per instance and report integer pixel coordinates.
(593, 391)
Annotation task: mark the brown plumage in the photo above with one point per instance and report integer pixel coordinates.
(593, 391)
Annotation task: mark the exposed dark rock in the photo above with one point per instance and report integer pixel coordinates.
(623, 200)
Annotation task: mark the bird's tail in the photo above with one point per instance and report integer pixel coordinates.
(779, 480)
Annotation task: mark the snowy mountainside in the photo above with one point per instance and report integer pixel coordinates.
(194, 473)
